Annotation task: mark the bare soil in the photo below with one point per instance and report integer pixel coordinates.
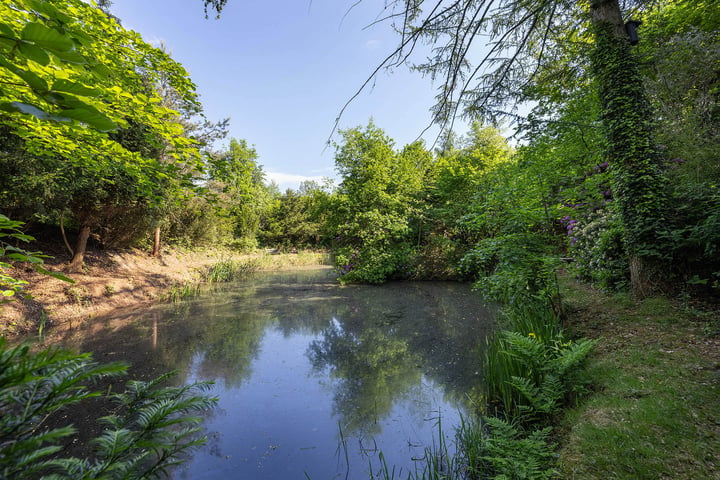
(110, 282)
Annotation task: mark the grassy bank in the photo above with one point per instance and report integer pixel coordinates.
(655, 409)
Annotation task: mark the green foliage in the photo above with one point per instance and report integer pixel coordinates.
(599, 252)
(237, 181)
(10, 286)
(464, 174)
(498, 449)
(639, 181)
(230, 270)
(298, 219)
(151, 429)
(181, 291)
(376, 203)
(64, 62)
(513, 269)
(531, 369)
(487, 448)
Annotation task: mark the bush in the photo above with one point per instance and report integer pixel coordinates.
(373, 264)
(513, 269)
(598, 251)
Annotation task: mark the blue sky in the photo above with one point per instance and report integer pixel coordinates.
(282, 70)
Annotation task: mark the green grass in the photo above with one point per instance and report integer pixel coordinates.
(182, 291)
(303, 258)
(230, 270)
(655, 413)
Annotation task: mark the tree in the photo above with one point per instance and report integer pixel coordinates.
(522, 40)
(239, 180)
(377, 204)
(73, 81)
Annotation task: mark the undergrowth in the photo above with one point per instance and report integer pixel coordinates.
(151, 428)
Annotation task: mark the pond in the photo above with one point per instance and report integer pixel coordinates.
(314, 379)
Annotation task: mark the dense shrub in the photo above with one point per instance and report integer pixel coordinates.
(513, 269)
(598, 252)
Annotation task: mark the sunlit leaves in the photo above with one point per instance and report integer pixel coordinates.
(47, 38)
(35, 386)
(77, 71)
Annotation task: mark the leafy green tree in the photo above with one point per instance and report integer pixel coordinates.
(76, 88)
(238, 180)
(523, 38)
(297, 218)
(377, 203)
(463, 175)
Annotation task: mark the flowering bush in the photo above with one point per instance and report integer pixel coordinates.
(597, 248)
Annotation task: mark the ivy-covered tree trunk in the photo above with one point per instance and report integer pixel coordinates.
(639, 182)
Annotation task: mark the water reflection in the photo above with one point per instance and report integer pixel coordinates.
(299, 359)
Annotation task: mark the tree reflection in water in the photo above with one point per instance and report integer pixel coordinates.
(373, 369)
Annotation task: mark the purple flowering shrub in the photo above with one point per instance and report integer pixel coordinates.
(596, 246)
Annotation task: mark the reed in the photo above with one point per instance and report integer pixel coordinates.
(229, 270)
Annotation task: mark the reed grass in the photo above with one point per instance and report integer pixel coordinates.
(182, 291)
(230, 270)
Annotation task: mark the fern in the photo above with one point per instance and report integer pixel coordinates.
(152, 430)
(532, 374)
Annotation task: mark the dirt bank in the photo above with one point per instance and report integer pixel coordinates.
(110, 282)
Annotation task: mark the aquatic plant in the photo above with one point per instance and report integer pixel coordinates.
(181, 291)
(483, 448)
(230, 269)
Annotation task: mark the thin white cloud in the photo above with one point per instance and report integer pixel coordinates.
(289, 180)
(372, 44)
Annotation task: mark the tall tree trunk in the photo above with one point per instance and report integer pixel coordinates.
(77, 261)
(156, 243)
(639, 182)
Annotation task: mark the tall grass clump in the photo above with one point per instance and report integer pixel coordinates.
(531, 368)
(230, 270)
(150, 429)
(181, 291)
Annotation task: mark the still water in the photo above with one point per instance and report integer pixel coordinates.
(314, 379)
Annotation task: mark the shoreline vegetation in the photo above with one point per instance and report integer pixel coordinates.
(118, 281)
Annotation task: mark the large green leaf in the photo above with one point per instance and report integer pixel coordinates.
(71, 56)
(33, 80)
(76, 88)
(46, 37)
(34, 53)
(26, 108)
(6, 31)
(6, 43)
(49, 11)
(90, 117)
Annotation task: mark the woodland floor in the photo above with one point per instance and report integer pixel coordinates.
(653, 412)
